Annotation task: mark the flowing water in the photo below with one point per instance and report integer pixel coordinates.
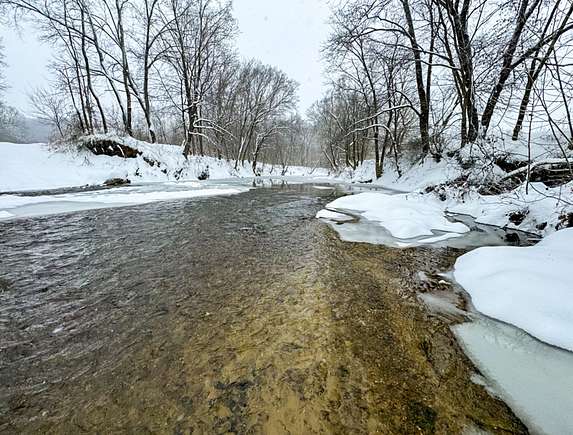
(237, 314)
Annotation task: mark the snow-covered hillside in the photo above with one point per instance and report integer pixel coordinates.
(40, 166)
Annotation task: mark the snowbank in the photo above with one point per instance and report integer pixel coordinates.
(543, 208)
(531, 288)
(38, 166)
(35, 166)
(405, 216)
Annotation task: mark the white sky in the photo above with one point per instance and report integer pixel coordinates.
(284, 33)
(27, 61)
(287, 34)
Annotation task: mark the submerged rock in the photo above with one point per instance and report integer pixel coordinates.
(4, 285)
(512, 238)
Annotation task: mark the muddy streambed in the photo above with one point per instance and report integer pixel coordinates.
(238, 314)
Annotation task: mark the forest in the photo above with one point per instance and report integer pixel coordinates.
(484, 81)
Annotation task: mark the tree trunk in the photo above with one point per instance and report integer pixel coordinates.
(507, 67)
(424, 113)
(537, 65)
(88, 73)
(378, 157)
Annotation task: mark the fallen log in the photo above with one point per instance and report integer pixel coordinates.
(551, 172)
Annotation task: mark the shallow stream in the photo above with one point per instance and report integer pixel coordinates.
(228, 314)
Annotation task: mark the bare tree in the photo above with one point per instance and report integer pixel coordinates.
(50, 107)
(3, 84)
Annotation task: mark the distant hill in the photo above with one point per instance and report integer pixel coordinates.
(18, 128)
(36, 130)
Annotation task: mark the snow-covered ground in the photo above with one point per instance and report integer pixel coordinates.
(543, 208)
(416, 177)
(530, 287)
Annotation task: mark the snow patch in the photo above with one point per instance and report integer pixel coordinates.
(334, 216)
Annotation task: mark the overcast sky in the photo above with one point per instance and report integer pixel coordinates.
(284, 33)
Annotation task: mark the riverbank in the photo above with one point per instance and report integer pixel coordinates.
(531, 207)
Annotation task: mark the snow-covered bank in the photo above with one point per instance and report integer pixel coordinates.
(541, 210)
(538, 209)
(414, 177)
(529, 287)
(40, 167)
(530, 290)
